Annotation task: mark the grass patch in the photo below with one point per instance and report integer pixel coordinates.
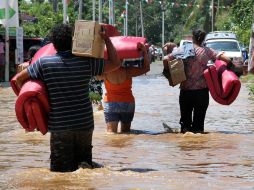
(250, 80)
(251, 89)
(95, 97)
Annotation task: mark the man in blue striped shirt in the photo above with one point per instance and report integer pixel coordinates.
(66, 77)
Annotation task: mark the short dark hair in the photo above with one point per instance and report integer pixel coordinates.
(61, 37)
(198, 36)
(32, 51)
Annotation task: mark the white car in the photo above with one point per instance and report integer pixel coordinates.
(224, 41)
(183, 42)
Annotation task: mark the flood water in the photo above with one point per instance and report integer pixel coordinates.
(148, 158)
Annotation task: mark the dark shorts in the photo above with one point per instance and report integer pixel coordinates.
(119, 111)
(69, 149)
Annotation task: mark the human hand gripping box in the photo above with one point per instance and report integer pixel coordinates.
(87, 41)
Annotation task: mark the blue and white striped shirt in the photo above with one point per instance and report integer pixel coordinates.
(66, 77)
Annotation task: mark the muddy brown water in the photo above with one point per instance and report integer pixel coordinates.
(148, 158)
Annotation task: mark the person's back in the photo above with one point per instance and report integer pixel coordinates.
(67, 79)
(118, 92)
(119, 102)
(194, 70)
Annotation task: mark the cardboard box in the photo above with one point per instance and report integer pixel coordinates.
(87, 41)
(176, 72)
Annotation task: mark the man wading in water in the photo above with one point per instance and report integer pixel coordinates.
(66, 77)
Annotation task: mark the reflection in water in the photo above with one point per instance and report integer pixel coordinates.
(150, 157)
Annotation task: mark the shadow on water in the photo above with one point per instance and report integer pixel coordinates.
(139, 170)
(166, 129)
(235, 132)
(146, 132)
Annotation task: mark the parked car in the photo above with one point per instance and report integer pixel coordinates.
(183, 42)
(226, 41)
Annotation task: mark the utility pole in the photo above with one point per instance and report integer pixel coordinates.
(113, 11)
(6, 78)
(141, 18)
(212, 15)
(110, 16)
(64, 11)
(218, 7)
(100, 11)
(93, 10)
(163, 28)
(163, 9)
(126, 17)
(80, 9)
(124, 25)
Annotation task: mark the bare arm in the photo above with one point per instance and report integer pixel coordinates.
(113, 62)
(100, 77)
(132, 71)
(21, 78)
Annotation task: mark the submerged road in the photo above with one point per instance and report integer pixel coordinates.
(147, 158)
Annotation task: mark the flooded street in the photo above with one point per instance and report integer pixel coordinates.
(148, 158)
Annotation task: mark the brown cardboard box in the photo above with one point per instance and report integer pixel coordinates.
(87, 41)
(176, 72)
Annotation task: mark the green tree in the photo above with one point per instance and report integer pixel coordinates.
(242, 13)
(46, 17)
(180, 17)
(238, 19)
